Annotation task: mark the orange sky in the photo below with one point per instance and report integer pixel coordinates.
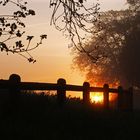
(53, 57)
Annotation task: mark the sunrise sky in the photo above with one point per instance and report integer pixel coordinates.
(53, 57)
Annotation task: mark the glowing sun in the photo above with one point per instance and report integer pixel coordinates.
(96, 97)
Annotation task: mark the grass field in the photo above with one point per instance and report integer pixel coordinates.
(39, 117)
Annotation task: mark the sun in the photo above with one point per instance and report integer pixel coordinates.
(96, 97)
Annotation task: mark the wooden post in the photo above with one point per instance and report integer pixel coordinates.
(120, 98)
(106, 96)
(86, 93)
(130, 99)
(14, 89)
(61, 92)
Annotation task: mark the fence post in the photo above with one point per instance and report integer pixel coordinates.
(106, 96)
(130, 99)
(120, 98)
(86, 93)
(61, 92)
(14, 89)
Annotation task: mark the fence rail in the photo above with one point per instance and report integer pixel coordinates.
(50, 86)
(15, 85)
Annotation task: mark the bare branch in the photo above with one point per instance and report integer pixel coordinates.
(74, 19)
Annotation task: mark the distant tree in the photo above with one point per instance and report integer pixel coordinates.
(113, 50)
(12, 28)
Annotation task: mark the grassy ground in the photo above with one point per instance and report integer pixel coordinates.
(39, 117)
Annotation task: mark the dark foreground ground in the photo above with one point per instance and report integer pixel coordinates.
(38, 117)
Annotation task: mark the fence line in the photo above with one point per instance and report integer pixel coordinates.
(14, 85)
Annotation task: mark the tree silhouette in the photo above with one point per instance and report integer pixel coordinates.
(75, 16)
(129, 56)
(12, 28)
(112, 52)
(72, 17)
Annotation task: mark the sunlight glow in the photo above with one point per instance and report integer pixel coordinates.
(96, 97)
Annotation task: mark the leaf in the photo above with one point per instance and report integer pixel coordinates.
(11, 32)
(3, 46)
(22, 24)
(18, 34)
(31, 60)
(19, 44)
(30, 38)
(31, 12)
(20, 14)
(2, 20)
(53, 4)
(1, 49)
(24, 8)
(43, 36)
(8, 24)
(81, 1)
(13, 27)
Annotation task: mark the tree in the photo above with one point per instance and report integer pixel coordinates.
(109, 51)
(129, 56)
(11, 28)
(73, 15)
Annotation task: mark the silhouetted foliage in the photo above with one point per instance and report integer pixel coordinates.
(72, 17)
(12, 28)
(113, 50)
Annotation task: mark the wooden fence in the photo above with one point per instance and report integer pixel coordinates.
(125, 97)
